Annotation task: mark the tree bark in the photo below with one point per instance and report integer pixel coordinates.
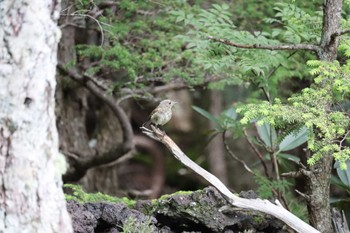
(318, 180)
(31, 198)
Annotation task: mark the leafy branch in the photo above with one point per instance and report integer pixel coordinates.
(309, 47)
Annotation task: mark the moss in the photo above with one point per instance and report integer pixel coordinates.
(258, 219)
(166, 196)
(156, 203)
(133, 225)
(79, 195)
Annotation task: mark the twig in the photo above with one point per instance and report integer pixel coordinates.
(337, 34)
(310, 47)
(93, 18)
(292, 174)
(305, 196)
(257, 152)
(234, 156)
(345, 136)
(275, 165)
(264, 206)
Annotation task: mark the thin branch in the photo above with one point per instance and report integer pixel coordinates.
(275, 165)
(309, 47)
(345, 136)
(305, 196)
(234, 156)
(257, 152)
(344, 32)
(91, 17)
(340, 33)
(294, 174)
(264, 206)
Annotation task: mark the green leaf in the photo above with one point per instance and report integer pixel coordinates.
(231, 113)
(294, 139)
(344, 175)
(337, 182)
(288, 157)
(207, 115)
(264, 134)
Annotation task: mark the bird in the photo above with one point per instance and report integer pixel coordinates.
(161, 114)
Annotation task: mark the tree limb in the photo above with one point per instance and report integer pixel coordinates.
(257, 152)
(310, 47)
(256, 204)
(246, 167)
(82, 164)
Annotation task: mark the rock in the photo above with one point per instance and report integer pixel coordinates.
(200, 211)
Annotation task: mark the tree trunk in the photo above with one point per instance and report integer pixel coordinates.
(318, 188)
(216, 151)
(31, 198)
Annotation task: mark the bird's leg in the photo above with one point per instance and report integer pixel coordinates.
(145, 129)
(158, 131)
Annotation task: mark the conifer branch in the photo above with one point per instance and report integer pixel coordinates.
(309, 47)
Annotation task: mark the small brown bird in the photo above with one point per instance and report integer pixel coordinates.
(161, 114)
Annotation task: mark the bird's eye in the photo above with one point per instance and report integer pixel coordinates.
(169, 102)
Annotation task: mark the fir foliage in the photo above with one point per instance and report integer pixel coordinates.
(315, 108)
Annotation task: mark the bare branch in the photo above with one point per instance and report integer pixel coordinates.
(257, 152)
(294, 174)
(91, 17)
(83, 164)
(264, 206)
(340, 33)
(234, 156)
(309, 47)
(341, 141)
(305, 196)
(346, 31)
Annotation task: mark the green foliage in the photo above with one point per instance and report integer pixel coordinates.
(140, 46)
(132, 225)
(267, 134)
(226, 121)
(343, 174)
(313, 109)
(294, 139)
(283, 187)
(300, 25)
(263, 68)
(266, 186)
(79, 195)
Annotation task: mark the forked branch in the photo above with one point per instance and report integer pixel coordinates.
(255, 204)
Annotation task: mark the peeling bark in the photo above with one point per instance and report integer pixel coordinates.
(31, 198)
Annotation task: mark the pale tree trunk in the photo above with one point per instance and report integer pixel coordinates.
(31, 197)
